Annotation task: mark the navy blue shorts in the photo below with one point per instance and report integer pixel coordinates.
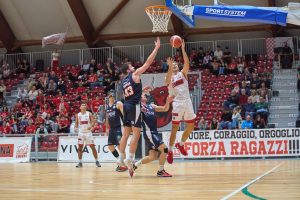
(114, 136)
(132, 115)
(153, 139)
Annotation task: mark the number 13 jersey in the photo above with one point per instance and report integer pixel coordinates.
(132, 91)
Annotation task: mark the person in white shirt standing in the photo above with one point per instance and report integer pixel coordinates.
(55, 59)
(83, 125)
(218, 53)
(182, 105)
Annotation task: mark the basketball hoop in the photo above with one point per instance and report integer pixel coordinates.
(160, 16)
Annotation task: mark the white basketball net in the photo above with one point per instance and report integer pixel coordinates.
(160, 16)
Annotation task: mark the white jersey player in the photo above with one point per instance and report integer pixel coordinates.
(182, 104)
(83, 125)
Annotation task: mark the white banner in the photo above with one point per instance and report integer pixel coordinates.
(15, 149)
(58, 39)
(68, 147)
(240, 143)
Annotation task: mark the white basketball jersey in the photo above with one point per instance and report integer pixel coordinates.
(179, 87)
(84, 122)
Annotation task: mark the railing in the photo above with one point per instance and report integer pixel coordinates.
(99, 54)
(253, 46)
(132, 53)
(12, 59)
(233, 45)
(44, 57)
(72, 57)
(237, 47)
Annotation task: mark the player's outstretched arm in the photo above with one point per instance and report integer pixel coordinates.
(169, 73)
(164, 108)
(149, 60)
(186, 66)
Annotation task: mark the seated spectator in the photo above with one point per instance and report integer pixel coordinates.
(262, 108)
(203, 124)
(52, 86)
(254, 96)
(63, 125)
(5, 112)
(13, 123)
(49, 123)
(214, 125)
(247, 124)
(259, 122)
(53, 77)
(264, 94)
(254, 81)
(95, 104)
(93, 65)
(249, 108)
(236, 118)
(41, 132)
(236, 88)
(243, 98)
(6, 72)
(7, 129)
(31, 128)
(22, 93)
(226, 118)
(61, 85)
(193, 58)
(207, 59)
(32, 94)
(232, 67)
(232, 101)
(266, 81)
(24, 122)
(93, 80)
(215, 67)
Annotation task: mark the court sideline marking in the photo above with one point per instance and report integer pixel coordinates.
(251, 182)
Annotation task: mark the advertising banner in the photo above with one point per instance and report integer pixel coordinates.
(68, 148)
(239, 143)
(15, 149)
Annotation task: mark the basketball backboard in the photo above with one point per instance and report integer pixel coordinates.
(177, 7)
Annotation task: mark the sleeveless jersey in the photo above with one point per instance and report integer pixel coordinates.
(132, 91)
(84, 122)
(179, 87)
(149, 116)
(114, 115)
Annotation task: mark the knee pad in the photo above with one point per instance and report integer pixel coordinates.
(166, 150)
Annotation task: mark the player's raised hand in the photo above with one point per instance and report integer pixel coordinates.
(170, 61)
(183, 44)
(157, 43)
(147, 89)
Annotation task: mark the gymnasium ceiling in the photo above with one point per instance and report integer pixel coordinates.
(96, 23)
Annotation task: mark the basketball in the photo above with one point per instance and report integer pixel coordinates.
(176, 41)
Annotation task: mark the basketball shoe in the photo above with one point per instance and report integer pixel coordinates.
(170, 157)
(163, 173)
(181, 149)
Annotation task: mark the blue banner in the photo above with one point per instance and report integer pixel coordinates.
(241, 14)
